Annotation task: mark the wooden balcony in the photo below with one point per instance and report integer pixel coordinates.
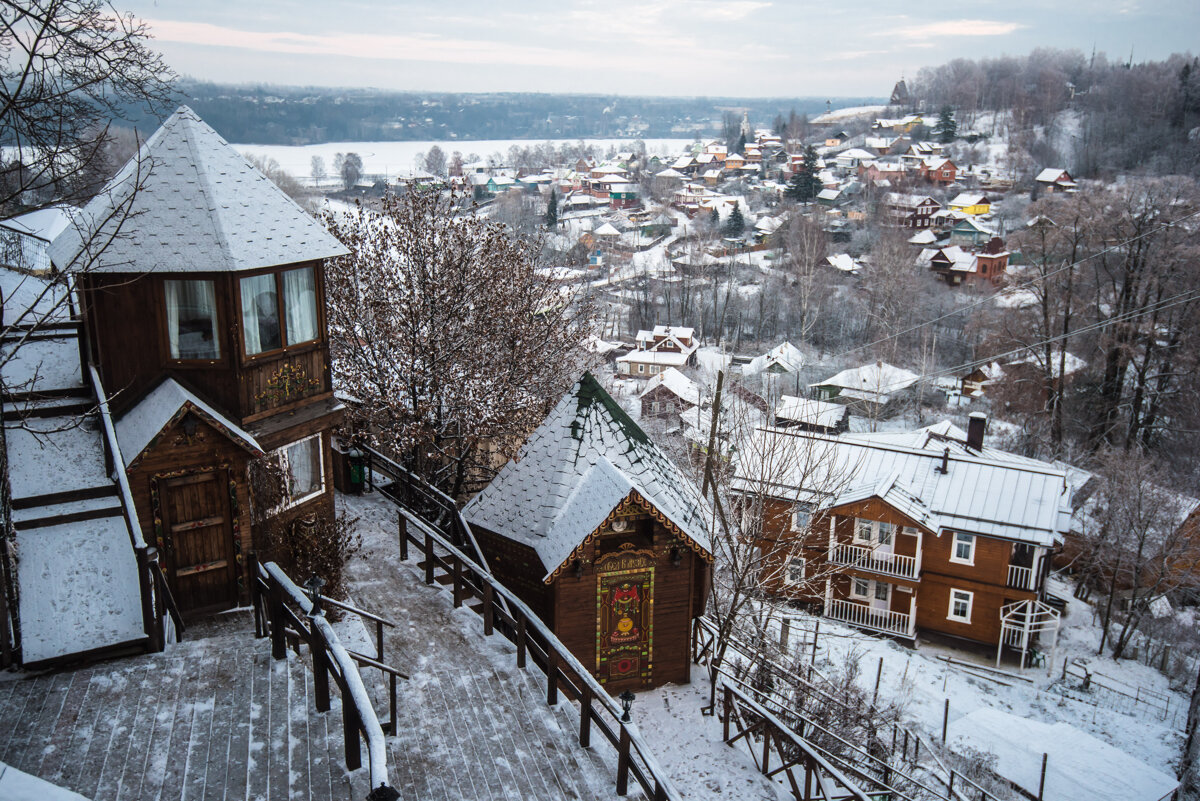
(1020, 578)
(886, 564)
(900, 624)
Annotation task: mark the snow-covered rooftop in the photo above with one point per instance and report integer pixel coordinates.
(807, 410)
(584, 459)
(677, 383)
(189, 202)
(879, 379)
(785, 356)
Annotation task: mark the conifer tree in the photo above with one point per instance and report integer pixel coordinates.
(552, 210)
(946, 128)
(714, 219)
(736, 223)
(805, 184)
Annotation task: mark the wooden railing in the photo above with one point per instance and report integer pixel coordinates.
(274, 595)
(888, 564)
(504, 612)
(864, 616)
(1020, 578)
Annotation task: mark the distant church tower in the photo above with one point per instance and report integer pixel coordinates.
(746, 124)
(900, 96)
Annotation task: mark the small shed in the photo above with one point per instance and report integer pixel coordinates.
(604, 537)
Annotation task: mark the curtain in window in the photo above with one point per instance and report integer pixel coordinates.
(300, 305)
(304, 467)
(260, 314)
(192, 319)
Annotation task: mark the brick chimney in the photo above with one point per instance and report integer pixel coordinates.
(976, 424)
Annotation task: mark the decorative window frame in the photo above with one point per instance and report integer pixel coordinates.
(958, 596)
(954, 543)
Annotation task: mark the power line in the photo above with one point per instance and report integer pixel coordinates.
(1014, 289)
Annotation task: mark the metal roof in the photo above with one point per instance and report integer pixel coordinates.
(575, 469)
(189, 202)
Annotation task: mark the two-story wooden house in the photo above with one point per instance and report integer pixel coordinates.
(906, 533)
(201, 288)
(910, 211)
(657, 350)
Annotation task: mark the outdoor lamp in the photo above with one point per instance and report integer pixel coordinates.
(626, 704)
(676, 556)
(383, 793)
(314, 585)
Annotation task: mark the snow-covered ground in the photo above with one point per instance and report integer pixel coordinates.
(393, 159)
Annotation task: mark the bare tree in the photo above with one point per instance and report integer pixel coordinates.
(318, 170)
(447, 335)
(435, 161)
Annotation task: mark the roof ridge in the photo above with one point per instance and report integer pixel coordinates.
(186, 120)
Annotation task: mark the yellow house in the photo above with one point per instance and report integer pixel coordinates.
(971, 203)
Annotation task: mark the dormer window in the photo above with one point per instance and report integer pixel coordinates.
(192, 320)
(278, 309)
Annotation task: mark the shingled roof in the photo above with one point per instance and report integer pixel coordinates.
(189, 202)
(582, 462)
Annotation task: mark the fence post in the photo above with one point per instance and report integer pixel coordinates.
(623, 762)
(350, 727)
(585, 717)
(456, 572)
(489, 604)
(551, 676)
(320, 670)
(278, 643)
(726, 702)
(878, 676)
(402, 529)
(816, 632)
(785, 631)
(1042, 781)
(522, 641)
(428, 558)
(945, 720)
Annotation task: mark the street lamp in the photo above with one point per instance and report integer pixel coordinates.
(314, 585)
(627, 699)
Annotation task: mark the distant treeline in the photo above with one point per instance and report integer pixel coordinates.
(300, 116)
(1140, 118)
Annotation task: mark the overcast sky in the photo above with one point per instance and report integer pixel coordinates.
(749, 48)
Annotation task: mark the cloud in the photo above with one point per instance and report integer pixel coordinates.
(958, 27)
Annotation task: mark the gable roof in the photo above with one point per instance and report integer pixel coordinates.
(162, 407)
(677, 384)
(584, 459)
(876, 380)
(189, 202)
(785, 355)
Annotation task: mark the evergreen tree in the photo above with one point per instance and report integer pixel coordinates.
(805, 184)
(741, 145)
(714, 219)
(946, 128)
(736, 223)
(552, 210)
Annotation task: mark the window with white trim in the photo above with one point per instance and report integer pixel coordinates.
(795, 571)
(963, 549)
(304, 468)
(882, 591)
(960, 605)
(801, 517)
(860, 588)
(874, 532)
(862, 530)
(886, 532)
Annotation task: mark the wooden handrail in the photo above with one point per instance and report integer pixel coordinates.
(168, 598)
(532, 636)
(110, 433)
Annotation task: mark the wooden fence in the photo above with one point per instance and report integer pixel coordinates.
(504, 613)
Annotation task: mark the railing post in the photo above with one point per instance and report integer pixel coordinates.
(551, 676)
(489, 607)
(623, 762)
(393, 724)
(522, 641)
(456, 572)
(275, 615)
(379, 640)
(350, 727)
(402, 528)
(726, 702)
(320, 660)
(428, 558)
(585, 717)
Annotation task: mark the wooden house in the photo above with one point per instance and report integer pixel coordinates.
(910, 211)
(970, 203)
(658, 349)
(938, 170)
(669, 394)
(205, 317)
(1055, 179)
(872, 388)
(604, 537)
(920, 532)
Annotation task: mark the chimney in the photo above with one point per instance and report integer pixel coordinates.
(944, 467)
(975, 426)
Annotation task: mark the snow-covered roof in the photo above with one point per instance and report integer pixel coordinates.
(670, 172)
(189, 202)
(807, 410)
(1078, 765)
(877, 380)
(138, 427)
(667, 358)
(980, 493)
(785, 355)
(923, 237)
(965, 199)
(844, 262)
(829, 194)
(579, 465)
(1051, 174)
(606, 230)
(677, 383)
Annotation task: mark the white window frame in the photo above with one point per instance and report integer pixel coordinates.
(964, 596)
(855, 594)
(874, 532)
(970, 541)
(882, 526)
(641, 369)
(281, 454)
(887, 591)
(796, 564)
(859, 524)
(801, 511)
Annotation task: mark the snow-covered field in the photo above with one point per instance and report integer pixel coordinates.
(392, 159)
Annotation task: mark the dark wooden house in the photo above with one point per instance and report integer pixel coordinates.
(604, 537)
(204, 314)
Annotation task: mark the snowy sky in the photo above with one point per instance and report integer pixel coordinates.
(747, 48)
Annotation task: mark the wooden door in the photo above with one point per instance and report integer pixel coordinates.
(625, 625)
(198, 534)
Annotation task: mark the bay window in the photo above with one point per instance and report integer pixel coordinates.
(192, 320)
(304, 468)
(278, 310)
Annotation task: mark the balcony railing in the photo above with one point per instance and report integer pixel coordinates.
(863, 616)
(888, 564)
(1020, 578)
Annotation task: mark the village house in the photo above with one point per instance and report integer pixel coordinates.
(969, 232)
(970, 203)
(1055, 179)
(872, 388)
(938, 170)
(657, 350)
(604, 538)
(910, 211)
(879, 171)
(957, 266)
(914, 533)
(205, 351)
(668, 395)
(807, 414)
